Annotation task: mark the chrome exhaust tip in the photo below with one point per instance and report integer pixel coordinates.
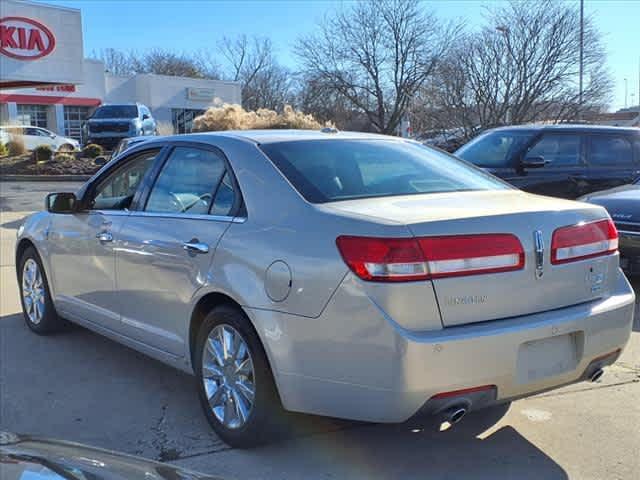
(456, 414)
(596, 375)
(451, 416)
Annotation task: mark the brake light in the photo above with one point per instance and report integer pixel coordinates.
(458, 255)
(409, 259)
(383, 259)
(585, 240)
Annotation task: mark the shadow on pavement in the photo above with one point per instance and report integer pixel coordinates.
(13, 225)
(79, 386)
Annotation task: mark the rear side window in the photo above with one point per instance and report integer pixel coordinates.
(558, 150)
(610, 150)
(330, 170)
(495, 149)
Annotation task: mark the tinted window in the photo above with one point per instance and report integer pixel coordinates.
(117, 191)
(32, 132)
(328, 170)
(187, 182)
(495, 149)
(610, 150)
(225, 197)
(116, 111)
(558, 150)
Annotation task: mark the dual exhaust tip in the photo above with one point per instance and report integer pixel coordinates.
(456, 413)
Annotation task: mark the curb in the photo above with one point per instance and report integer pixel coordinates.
(44, 178)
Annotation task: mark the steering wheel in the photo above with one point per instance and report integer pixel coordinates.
(205, 198)
(177, 203)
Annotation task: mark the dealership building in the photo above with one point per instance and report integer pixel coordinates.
(45, 80)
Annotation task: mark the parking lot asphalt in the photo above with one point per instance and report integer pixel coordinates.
(81, 387)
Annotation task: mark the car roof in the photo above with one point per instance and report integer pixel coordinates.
(575, 128)
(273, 136)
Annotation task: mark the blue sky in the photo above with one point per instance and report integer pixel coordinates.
(194, 25)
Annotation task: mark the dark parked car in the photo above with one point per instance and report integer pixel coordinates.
(558, 160)
(111, 123)
(32, 458)
(623, 204)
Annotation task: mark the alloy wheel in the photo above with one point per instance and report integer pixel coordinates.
(228, 376)
(33, 293)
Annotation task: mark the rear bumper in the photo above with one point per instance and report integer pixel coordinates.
(355, 362)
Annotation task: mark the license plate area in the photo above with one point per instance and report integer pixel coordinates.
(548, 357)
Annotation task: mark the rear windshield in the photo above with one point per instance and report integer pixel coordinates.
(495, 149)
(329, 170)
(116, 111)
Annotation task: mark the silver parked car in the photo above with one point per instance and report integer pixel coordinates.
(350, 275)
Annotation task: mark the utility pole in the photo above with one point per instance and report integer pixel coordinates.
(581, 54)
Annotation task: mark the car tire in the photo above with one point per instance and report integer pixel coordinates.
(37, 307)
(265, 419)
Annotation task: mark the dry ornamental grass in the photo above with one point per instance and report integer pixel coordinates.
(234, 117)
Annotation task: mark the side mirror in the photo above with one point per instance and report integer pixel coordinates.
(53, 135)
(534, 162)
(61, 202)
(100, 161)
(145, 116)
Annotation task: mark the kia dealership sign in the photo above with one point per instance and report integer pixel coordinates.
(25, 39)
(40, 45)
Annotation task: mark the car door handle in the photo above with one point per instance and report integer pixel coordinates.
(194, 246)
(104, 237)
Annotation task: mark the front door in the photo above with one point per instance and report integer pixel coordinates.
(82, 245)
(564, 173)
(168, 246)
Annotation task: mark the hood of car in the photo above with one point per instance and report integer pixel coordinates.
(24, 457)
(622, 203)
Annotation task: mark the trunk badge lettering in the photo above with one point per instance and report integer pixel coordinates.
(539, 251)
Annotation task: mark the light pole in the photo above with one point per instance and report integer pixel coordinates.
(581, 56)
(625, 93)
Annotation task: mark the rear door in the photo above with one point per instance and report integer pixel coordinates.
(169, 243)
(611, 161)
(564, 173)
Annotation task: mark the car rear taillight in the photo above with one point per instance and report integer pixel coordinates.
(585, 240)
(408, 259)
(383, 259)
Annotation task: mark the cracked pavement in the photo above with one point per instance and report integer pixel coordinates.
(81, 387)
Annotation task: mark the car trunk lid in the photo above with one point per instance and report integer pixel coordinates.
(538, 286)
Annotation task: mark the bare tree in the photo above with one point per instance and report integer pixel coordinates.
(115, 61)
(376, 54)
(160, 62)
(252, 62)
(521, 67)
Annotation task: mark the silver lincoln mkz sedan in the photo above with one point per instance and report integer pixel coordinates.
(350, 275)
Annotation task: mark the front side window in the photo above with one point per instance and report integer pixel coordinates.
(495, 149)
(330, 170)
(118, 190)
(610, 150)
(187, 182)
(558, 150)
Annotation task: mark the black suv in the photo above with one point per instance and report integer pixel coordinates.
(559, 160)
